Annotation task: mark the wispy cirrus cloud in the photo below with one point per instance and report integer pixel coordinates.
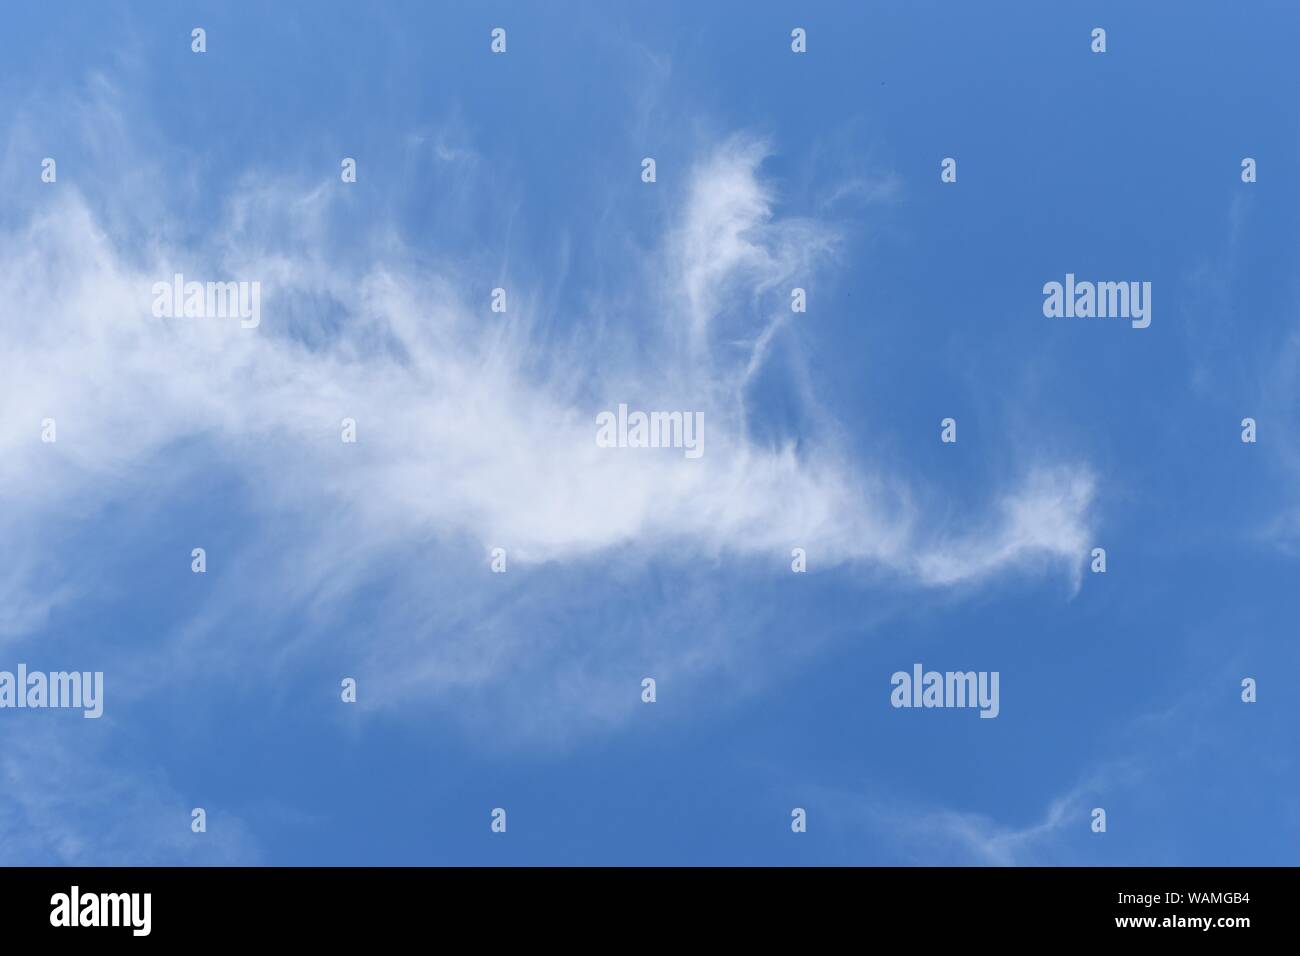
(52, 798)
(476, 430)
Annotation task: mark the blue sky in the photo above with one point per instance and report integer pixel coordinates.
(522, 690)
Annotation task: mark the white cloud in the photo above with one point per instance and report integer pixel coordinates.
(474, 428)
(943, 836)
(52, 801)
(987, 842)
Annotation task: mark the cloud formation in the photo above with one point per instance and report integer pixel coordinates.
(446, 394)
